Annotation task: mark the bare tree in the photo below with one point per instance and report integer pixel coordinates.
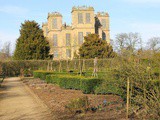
(5, 51)
(128, 42)
(120, 41)
(154, 44)
(133, 42)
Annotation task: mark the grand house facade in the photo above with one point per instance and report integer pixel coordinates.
(65, 40)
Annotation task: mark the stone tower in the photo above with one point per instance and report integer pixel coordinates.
(65, 39)
(102, 26)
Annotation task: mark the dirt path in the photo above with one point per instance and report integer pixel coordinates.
(18, 102)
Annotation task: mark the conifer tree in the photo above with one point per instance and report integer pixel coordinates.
(31, 45)
(94, 46)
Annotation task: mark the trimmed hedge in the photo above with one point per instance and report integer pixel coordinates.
(65, 81)
(87, 85)
(52, 79)
(108, 87)
(70, 82)
(42, 74)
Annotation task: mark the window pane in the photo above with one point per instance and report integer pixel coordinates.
(80, 37)
(54, 23)
(56, 54)
(87, 17)
(55, 41)
(68, 53)
(80, 18)
(103, 36)
(103, 23)
(68, 38)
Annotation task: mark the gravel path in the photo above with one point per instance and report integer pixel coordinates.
(18, 102)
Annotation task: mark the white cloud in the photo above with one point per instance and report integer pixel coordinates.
(13, 10)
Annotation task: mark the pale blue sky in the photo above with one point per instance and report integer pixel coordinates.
(141, 16)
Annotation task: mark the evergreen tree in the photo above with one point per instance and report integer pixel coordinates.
(95, 47)
(31, 44)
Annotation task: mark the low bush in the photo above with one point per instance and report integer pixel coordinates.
(70, 82)
(152, 83)
(52, 79)
(108, 87)
(56, 78)
(42, 74)
(78, 105)
(88, 85)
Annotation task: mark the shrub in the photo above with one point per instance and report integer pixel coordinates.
(78, 105)
(13, 68)
(28, 73)
(52, 79)
(88, 85)
(41, 74)
(65, 81)
(108, 87)
(156, 72)
(70, 82)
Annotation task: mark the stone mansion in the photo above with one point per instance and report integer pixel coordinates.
(65, 40)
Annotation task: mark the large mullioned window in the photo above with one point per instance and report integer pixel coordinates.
(80, 38)
(88, 18)
(54, 23)
(80, 18)
(68, 39)
(104, 23)
(55, 40)
(103, 36)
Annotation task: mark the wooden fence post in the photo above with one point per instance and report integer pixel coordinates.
(127, 106)
(131, 91)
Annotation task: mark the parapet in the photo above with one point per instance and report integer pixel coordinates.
(82, 8)
(54, 14)
(66, 27)
(102, 14)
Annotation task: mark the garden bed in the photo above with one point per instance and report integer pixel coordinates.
(57, 98)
